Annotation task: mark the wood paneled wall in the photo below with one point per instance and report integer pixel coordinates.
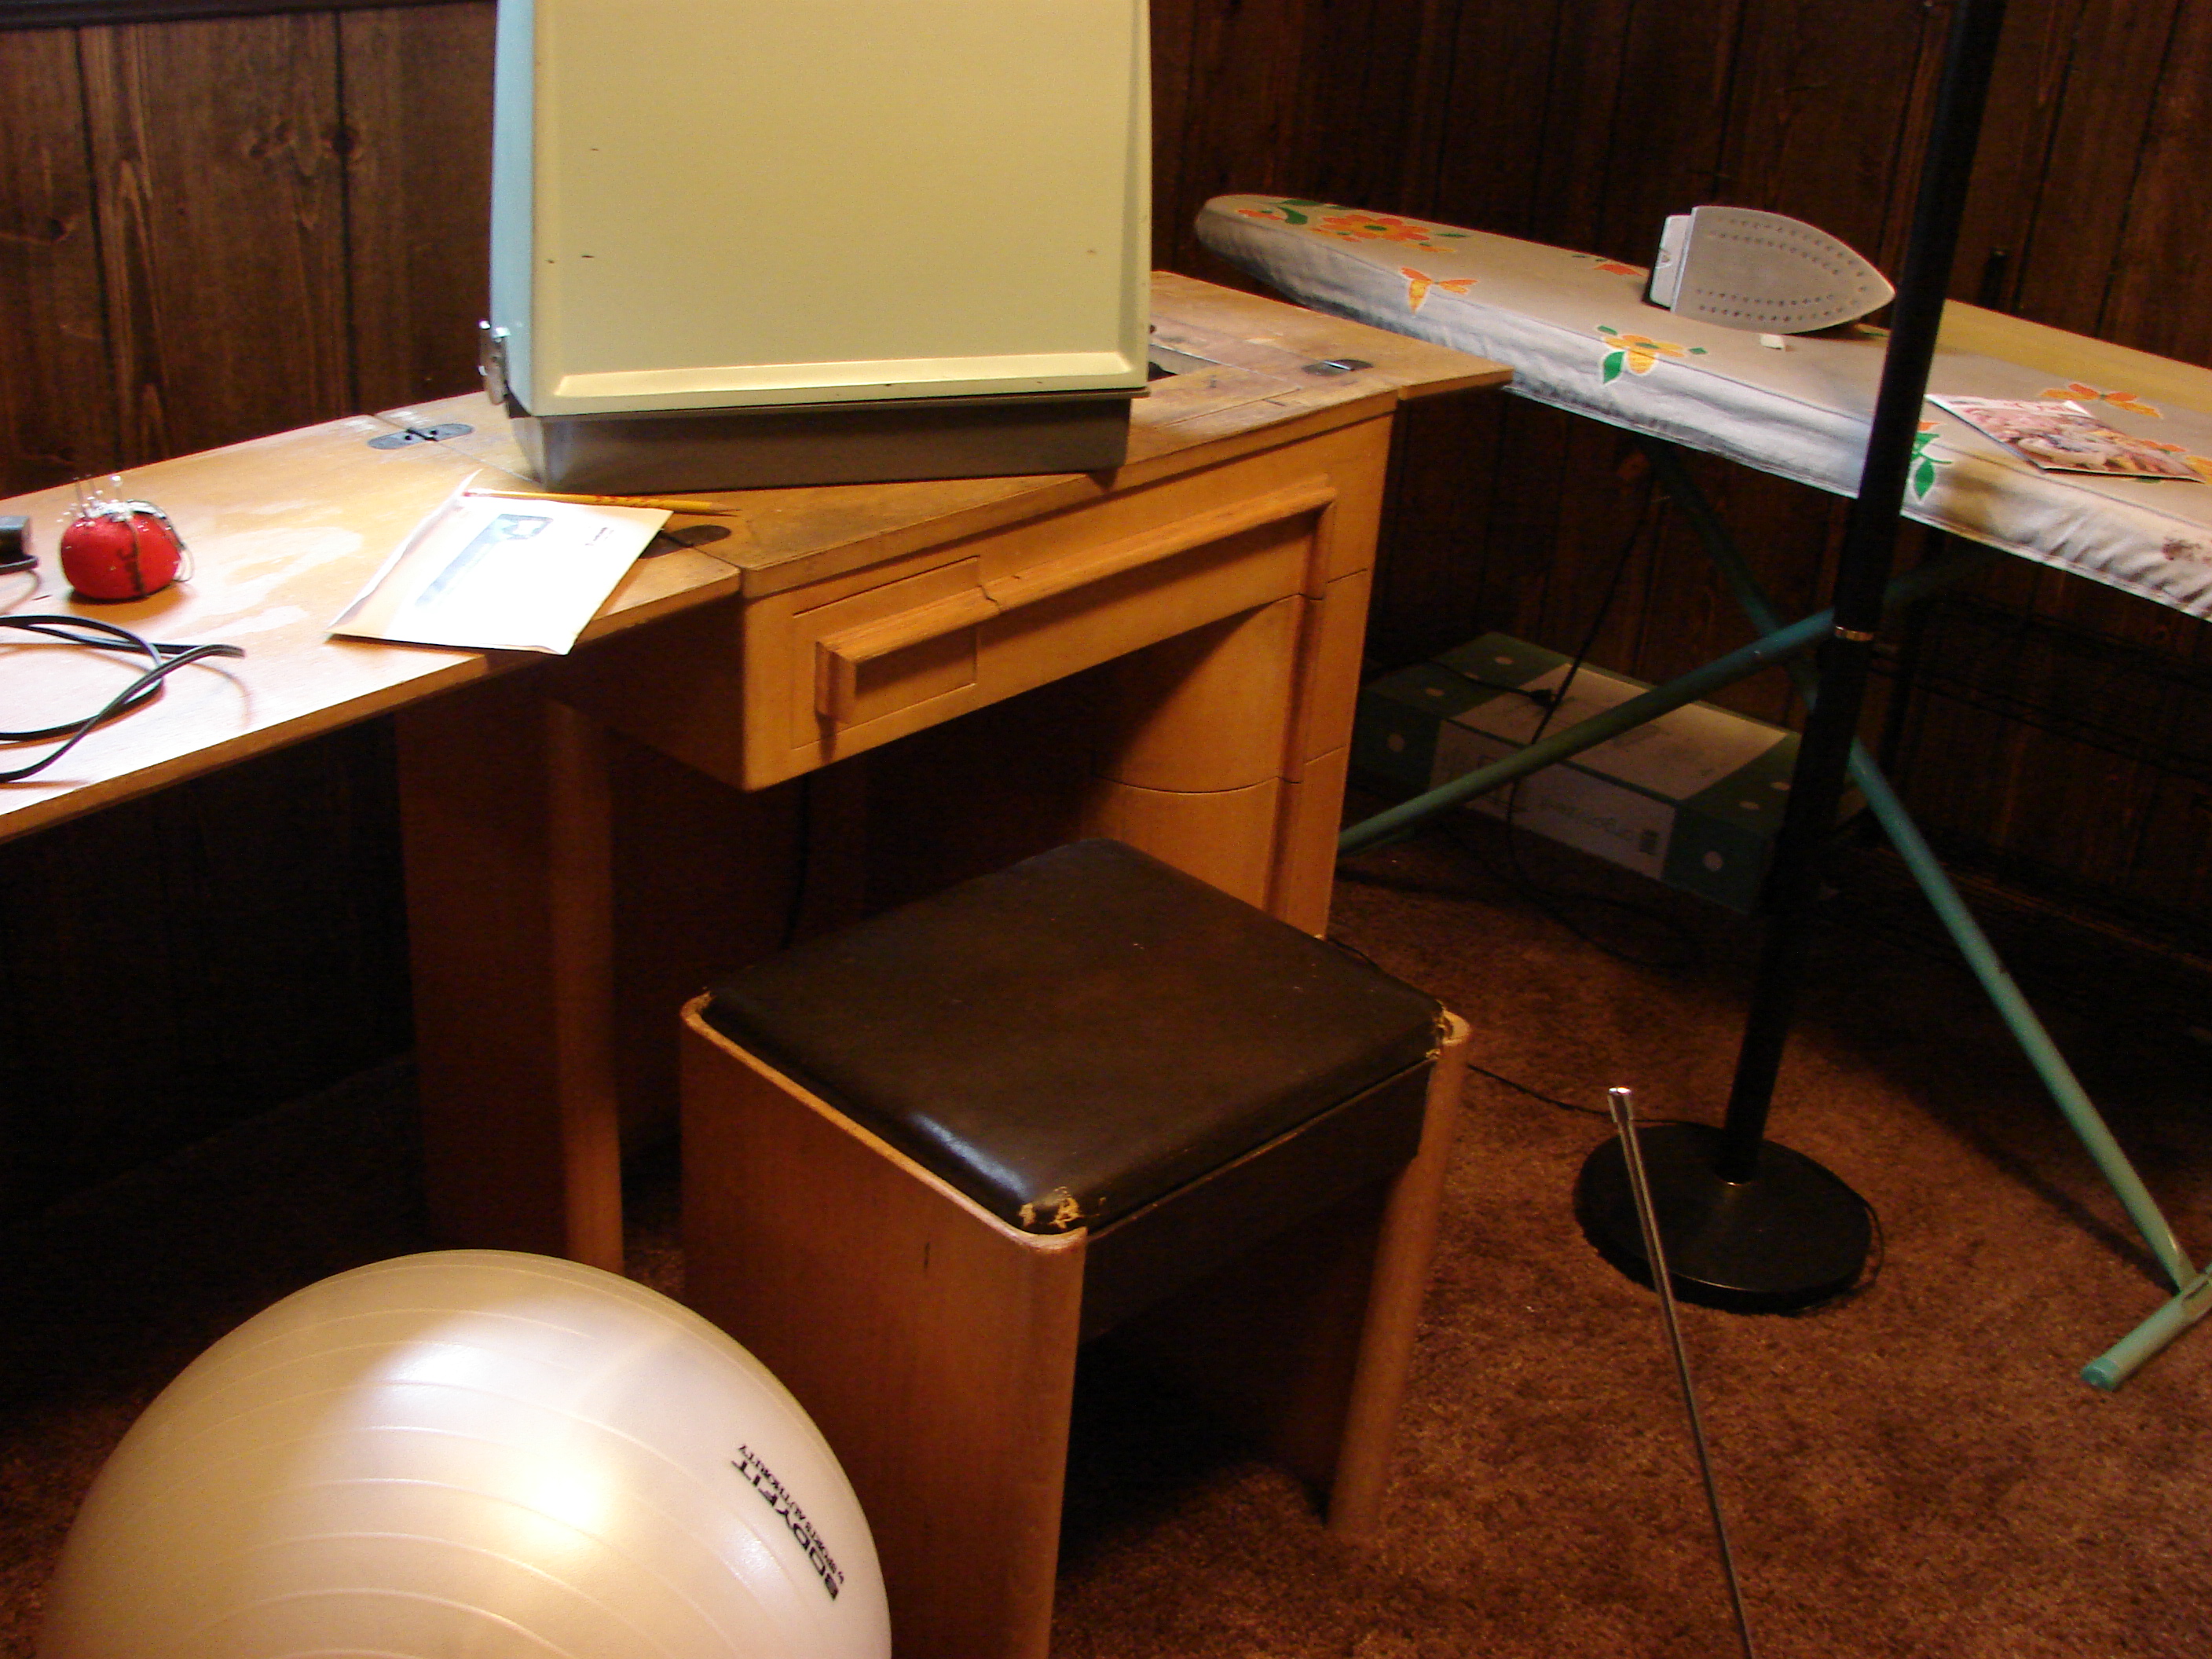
(219, 227)
(222, 227)
(211, 229)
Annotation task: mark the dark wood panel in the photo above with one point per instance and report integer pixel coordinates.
(415, 88)
(1362, 64)
(1572, 160)
(2068, 669)
(1823, 126)
(1467, 540)
(51, 14)
(1240, 126)
(1433, 91)
(2155, 300)
(1785, 531)
(1174, 24)
(1601, 554)
(1912, 134)
(57, 404)
(704, 879)
(2024, 91)
(2095, 158)
(2058, 753)
(1492, 78)
(1666, 125)
(2170, 885)
(91, 1033)
(215, 145)
(180, 963)
(1521, 521)
(1436, 578)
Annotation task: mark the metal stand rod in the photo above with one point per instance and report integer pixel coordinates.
(1624, 1121)
(1862, 572)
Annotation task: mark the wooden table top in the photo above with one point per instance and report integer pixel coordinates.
(283, 531)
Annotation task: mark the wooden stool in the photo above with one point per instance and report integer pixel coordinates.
(926, 1156)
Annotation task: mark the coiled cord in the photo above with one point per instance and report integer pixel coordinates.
(163, 659)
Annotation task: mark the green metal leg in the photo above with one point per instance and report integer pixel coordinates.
(2117, 1363)
(2195, 1288)
(1778, 647)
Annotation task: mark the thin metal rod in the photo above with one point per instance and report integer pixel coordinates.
(2028, 1029)
(1654, 1253)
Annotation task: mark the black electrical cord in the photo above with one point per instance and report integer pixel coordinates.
(90, 632)
(1649, 512)
(1864, 1283)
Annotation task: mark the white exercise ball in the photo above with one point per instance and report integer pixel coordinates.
(472, 1454)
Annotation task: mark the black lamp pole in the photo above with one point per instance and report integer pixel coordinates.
(1747, 1223)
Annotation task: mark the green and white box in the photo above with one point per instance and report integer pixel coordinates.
(1693, 799)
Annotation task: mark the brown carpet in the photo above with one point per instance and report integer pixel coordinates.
(1918, 1470)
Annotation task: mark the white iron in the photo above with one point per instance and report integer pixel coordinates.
(1764, 272)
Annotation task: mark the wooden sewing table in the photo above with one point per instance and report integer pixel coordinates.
(1200, 609)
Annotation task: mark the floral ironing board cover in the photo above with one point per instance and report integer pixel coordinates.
(1577, 333)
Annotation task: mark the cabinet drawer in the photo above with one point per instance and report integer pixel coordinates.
(1020, 607)
(886, 662)
(764, 688)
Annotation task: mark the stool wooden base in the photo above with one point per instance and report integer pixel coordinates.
(935, 1345)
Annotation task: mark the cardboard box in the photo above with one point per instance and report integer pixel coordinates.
(1693, 798)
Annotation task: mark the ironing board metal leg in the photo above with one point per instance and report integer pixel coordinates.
(2028, 1029)
(1776, 647)
(2119, 1362)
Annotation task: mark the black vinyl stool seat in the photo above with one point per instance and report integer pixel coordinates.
(1032, 1107)
(1072, 1039)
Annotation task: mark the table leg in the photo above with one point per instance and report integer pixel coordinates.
(1332, 635)
(506, 815)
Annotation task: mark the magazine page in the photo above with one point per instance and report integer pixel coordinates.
(2063, 437)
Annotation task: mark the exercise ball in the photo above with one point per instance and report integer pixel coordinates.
(471, 1455)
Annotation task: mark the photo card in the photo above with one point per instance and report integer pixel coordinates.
(2063, 437)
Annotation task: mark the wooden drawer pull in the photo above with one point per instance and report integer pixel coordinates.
(840, 658)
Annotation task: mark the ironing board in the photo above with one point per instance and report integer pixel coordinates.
(1578, 335)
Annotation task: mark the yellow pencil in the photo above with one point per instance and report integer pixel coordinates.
(665, 503)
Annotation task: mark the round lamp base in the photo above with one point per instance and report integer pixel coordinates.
(1792, 1236)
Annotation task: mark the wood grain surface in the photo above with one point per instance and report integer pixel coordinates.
(56, 406)
(415, 88)
(1247, 485)
(214, 146)
(331, 255)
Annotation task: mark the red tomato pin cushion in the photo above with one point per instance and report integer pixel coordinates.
(119, 549)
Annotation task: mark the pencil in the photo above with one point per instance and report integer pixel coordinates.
(666, 503)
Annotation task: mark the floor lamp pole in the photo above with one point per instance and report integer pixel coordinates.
(1748, 1223)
